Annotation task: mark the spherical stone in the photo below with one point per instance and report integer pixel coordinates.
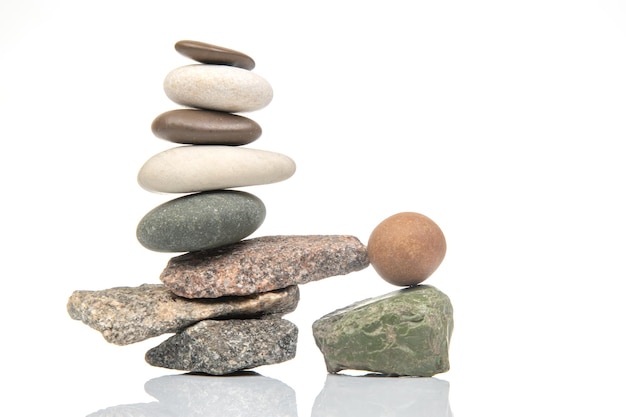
(213, 54)
(193, 168)
(218, 87)
(406, 248)
(205, 127)
(201, 221)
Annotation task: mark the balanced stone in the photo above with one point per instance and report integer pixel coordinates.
(263, 264)
(201, 221)
(219, 347)
(187, 169)
(218, 87)
(205, 127)
(406, 332)
(213, 54)
(126, 315)
(406, 248)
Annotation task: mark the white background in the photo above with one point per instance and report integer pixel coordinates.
(503, 121)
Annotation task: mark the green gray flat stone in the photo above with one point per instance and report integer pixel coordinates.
(201, 221)
(406, 332)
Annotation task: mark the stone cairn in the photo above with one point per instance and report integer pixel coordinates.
(225, 297)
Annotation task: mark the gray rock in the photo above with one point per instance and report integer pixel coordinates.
(201, 221)
(219, 347)
(406, 332)
(127, 315)
(263, 264)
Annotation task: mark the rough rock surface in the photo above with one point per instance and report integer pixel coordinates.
(263, 264)
(219, 347)
(126, 315)
(201, 221)
(406, 332)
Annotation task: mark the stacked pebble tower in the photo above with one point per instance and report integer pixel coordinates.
(225, 296)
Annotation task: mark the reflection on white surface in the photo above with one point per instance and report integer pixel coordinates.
(370, 395)
(245, 394)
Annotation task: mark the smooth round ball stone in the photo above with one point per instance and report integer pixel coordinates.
(218, 87)
(406, 248)
(207, 53)
(205, 127)
(201, 221)
(194, 168)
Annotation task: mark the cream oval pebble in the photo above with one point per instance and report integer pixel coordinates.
(193, 168)
(218, 87)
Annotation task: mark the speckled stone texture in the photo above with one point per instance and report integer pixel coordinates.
(126, 315)
(219, 347)
(201, 221)
(406, 332)
(263, 264)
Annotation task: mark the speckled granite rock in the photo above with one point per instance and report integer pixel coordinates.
(219, 347)
(406, 332)
(201, 221)
(263, 264)
(126, 315)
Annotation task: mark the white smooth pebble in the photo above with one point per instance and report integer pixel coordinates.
(218, 87)
(195, 168)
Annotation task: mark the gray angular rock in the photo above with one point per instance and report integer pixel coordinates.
(201, 221)
(406, 332)
(126, 315)
(219, 347)
(263, 264)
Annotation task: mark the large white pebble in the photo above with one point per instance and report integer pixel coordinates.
(218, 87)
(194, 168)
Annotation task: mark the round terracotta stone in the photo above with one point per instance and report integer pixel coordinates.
(205, 127)
(406, 248)
(212, 54)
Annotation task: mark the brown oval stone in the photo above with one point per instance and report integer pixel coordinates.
(406, 248)
(212, 54)
(205, 127)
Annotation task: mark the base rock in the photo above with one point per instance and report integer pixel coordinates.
(406, 332)
(219, 347)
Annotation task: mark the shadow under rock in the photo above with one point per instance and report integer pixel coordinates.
(241, 394)
(375, 395)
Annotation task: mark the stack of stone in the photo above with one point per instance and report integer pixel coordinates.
(225, 296)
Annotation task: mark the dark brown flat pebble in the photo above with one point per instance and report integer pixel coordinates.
(206, 53)
(205, 127)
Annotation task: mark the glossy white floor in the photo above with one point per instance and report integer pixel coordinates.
(502, 121)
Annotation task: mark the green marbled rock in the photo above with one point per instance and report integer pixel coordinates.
(406, 332)
(201, 221)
